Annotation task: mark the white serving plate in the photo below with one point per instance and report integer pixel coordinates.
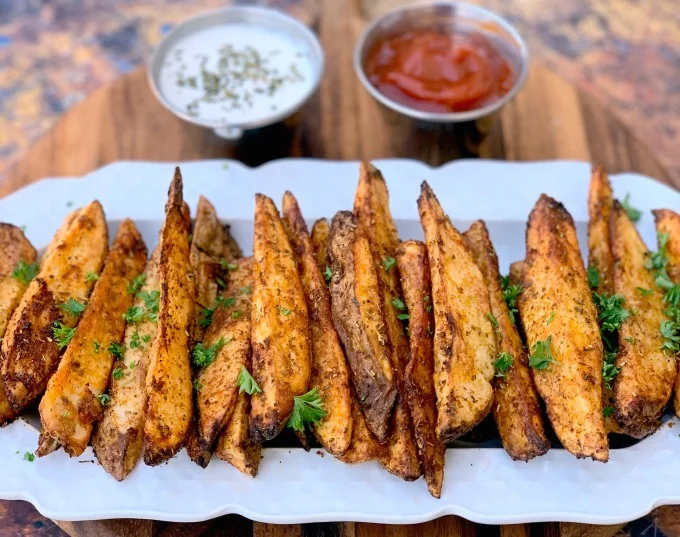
(481, 484)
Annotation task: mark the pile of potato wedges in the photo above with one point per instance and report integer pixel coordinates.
(373, 347)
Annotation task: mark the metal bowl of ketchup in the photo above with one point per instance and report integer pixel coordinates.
(446, 62)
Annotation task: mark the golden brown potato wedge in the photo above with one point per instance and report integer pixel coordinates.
(75, 395)
(560, 322)
(668, 223)
(329, 369)
(31, 352)
(464, 341)
(17, 268)
(321, 234)
(118, 438)
(515, 273)
(419, 393)
(515, 403)
(363, 446)
(600, 257)
(229, 337)
(359, 321)
(647, 373)
(280, 327)
(374, 220)
(235, 445)
(168, 379)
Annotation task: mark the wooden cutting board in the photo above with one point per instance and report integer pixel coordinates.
(550, 119)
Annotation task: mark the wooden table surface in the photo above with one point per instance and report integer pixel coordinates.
(549, 119)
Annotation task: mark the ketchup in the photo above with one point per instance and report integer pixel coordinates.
(439, 72)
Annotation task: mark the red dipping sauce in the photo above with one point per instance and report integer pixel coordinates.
(439, 72)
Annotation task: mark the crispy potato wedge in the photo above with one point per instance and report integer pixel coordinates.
(358, 318)
(280, 327)
(464, 341)
(235, 445)
(329, 369)
(515, 402)
(30, 352)
(600, 203)
(647, 373)
(229, 335)
(363, 446)
(556, 307)
(168, 379)
(668, 222)
(70, 404)
(15, 248)
(321, 234)
(515, 273)
(118, 438)
(373, 217)
(419, 393)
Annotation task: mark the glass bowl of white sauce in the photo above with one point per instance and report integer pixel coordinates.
(237, 68)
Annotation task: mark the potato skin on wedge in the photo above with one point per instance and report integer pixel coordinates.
(70, 404)
(363, 446)
(647, 373)
(556, 303)
(419, 392)
(372, 213)
(464, 341)
(359, 321)
(168, 379)
(281, 353)
(30, 352)
(235, 445)
(600, 203)
(515, 404)
(329, 369)
(118, 438)
(15, 248)
(321, 234)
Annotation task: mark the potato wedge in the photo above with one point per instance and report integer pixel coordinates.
(321, 234)
(668, 222)
(118, 438)
(17, 266)
(168, 379)
(363, 446)
(464, 341)
(235, 445)
(280, 327)
(515, 273)
(329, 369)
(419, 393)
(647, 373)
(515, 402)
(600, 203)
(229, 336)
(31, 353)
(359, 321)
(72, 400)
(559, 318)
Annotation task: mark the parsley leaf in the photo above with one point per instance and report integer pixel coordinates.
(398, 303)
(492, 318)
(633, 213)
(607, 411)
(62, 334)
(403, 316)
(136, 341)
(541, 356)
(307, 408)
(73, 307)
(669, 332)
(327, 274)
(550, 319)
(503, 363)
(136, 285)
(609, 370)
(220, 283)
(118, 373)
(91, 277)
(97, 347)
(611, 313)
(510, 294)
(25, 272)
(117, 350)
(594, 278)
(197, 385)
(134, 314)
(246, 382)
(28, 456)
(285, 311)
(204, 356)
(104, 399)
(226, 265)
(388, 263)
(644, 292)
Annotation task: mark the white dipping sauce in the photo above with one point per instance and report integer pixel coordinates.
(237, 74)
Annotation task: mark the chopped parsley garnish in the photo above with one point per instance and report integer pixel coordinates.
(134, 314)
(73, 307)
(633, 213)
(246, 382)
(644, 292)
(104, 399)
(118, 373)
(610, 316)
(197, 385)
(146, 338)
(91, 277)
(630, 340)
(226, 265)
(132, 365)
(607, 411)
(594, 278)
(25, 272)
(541, 355)
(609, 370)
(503, 363)
(206, 315)
(550, 319)
(307, 408)
(492, 318)
(389, 262)
(670, 328)
(403, 316)
(284, 311)
(204, 356)
(28, 456)
(669, 332)
(150, 299)
(428, 308)
(220, 283)
(398, 303)
(136, 285)
(117, 350)
(327, 274)
(510, 294)
(62, 334)
(136, 341)
(97, 347)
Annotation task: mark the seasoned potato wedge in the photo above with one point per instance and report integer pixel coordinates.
(647, 373)
(321, 232)
(515, 403)
(363, 446)
(419, 393)
(600, 257)
(329, 369)
(235, 445)
(118, 438)
(280, 327)
(229, 336)
(515, 273)
(374, 220)
(17, 254)
(168, 379)
(560, 323)
(72, 400)
(31, 352)
(358, 318)
(464, 341)
(668, 223)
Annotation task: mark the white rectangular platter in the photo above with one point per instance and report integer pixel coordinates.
(481, 484)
